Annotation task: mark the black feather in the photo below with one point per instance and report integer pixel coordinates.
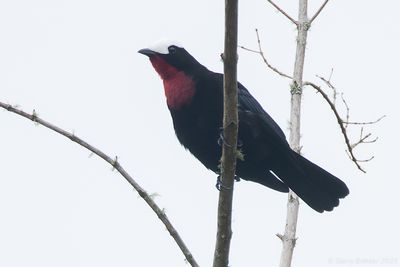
(268, 158)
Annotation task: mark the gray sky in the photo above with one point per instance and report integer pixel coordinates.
(76, 64)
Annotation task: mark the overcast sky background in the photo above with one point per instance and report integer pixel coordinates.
(76, 64)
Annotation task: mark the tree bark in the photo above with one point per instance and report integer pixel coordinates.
(230, 130)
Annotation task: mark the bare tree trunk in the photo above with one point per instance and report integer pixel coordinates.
(289, 237)
(230, 130)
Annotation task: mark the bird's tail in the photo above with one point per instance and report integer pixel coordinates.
(315, 186)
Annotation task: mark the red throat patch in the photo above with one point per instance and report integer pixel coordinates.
(179, 88)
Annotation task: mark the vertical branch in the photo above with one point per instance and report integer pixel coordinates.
(289, 237)
(230, 130)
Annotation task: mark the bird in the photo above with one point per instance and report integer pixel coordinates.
(194, 97)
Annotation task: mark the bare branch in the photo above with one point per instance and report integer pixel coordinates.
(329, 84)
(361, 160)
(339, 120)
(261, 53)
(342, 122)
(330, 75)
(364, 139)
(115, 165)
(327, 81)
(347, 110)
(283, 12)
(249, 50)
(265, 59)
(365, 123)
(366, 160)
(292, 211)
(230, 131)
(350, 147)
(318, 11)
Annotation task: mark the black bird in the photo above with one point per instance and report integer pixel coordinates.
(195, 99)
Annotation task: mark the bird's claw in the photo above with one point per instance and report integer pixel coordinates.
(219, 185)
(239, 143)
(222, 141)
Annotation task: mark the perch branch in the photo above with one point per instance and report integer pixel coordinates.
(115, 164)
(230, 131)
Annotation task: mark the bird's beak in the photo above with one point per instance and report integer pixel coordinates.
(147, 52)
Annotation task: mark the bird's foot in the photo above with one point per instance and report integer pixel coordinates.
(220, 186)
(222, 141)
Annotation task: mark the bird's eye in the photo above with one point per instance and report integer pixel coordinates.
(172, 49)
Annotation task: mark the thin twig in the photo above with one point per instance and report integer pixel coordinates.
(330, 75)
(329, 84)
(265, 59)
(318, 11)
(261, 53)
(327, 81)
(115, 164)
(347, 111)
(365, 123)
(363, 139)
(248, 49)
(350, 147)
(283, 12)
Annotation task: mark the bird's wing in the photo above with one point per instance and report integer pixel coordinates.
(248, 104)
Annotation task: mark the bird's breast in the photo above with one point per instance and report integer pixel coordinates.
(179, 90)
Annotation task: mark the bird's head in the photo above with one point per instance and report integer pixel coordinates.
(169, 58)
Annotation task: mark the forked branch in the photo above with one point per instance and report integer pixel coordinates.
(343, 123)
(283, 12)
(331, 101)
